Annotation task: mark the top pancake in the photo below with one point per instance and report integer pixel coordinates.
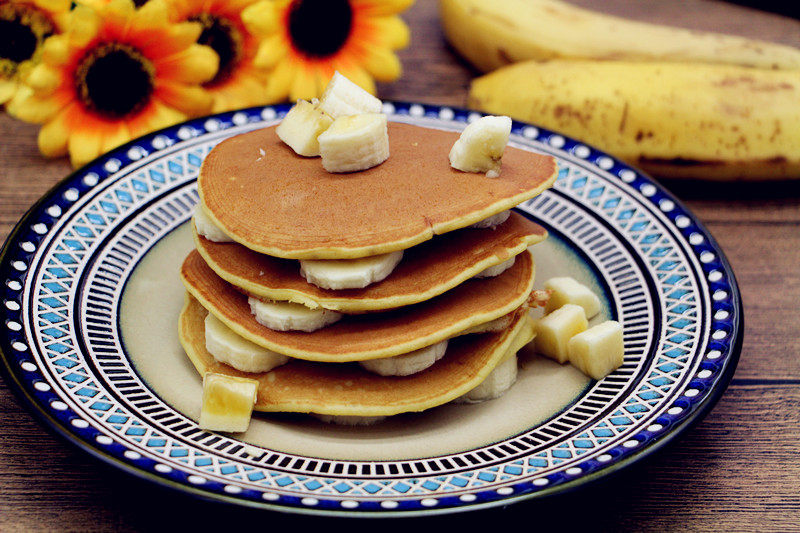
(284, 205)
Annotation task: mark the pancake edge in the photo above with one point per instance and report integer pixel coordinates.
(520, 333)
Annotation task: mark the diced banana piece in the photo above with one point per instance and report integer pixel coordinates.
(480, 147)
(301, 126)
(599, 350)
(355, 143)
(349, 273)
(349, 420)
(290, 316)
(566, 290)
(227, 402)
(554, 330)
(227, 347)
(496, 384)
(497, 269)
(493, 221)
(406, 364)
(342, 98)
(205, 227)
(498, 324)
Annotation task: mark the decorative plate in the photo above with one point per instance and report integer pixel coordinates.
(86, 292)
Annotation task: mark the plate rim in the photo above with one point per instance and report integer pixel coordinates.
(676, 430)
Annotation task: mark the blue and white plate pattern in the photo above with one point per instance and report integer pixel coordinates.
(65, 265)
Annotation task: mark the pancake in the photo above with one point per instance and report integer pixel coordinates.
(371, 335)
(348, 389)
(288, 206)
(426, 270)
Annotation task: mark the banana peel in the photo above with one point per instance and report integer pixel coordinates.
(676, 120)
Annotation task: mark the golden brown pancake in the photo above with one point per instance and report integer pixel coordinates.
(371, 335)
(284, 205)
(348, 389)
(426, 270)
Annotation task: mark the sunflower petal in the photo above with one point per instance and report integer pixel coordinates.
(29, 107)
(151, 14)
(247, 88)
(377, 8)
(304, 85)
(263, 18)
(53, 6)
(7, 90)
(56, 50)
(190, 99)
(43, 79)
(391, 32)
(382, 64)
(196, 64)
(280, 81)
(84, 25)
(54, 135)
(270, 51)
(359, 76)
(84, 144)
(115, 136)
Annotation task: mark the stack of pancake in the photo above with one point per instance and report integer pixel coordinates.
(442, 308)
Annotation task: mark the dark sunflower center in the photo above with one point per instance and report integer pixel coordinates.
(319, 28)
(22, 30)
(222, 36)
(114, 80)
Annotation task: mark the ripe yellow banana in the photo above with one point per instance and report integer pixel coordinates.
(499, 32)
(670, 119)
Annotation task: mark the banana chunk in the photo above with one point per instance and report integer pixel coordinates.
(205, 227)
(493, 221)
(349, 273)
(354, 143)
(227, 402)
(495, 385)
(566, 290)
(554, 330)
(227, 347)
(599, 350)
(349, 420)
(301, 126)
(480, 147)
(289, 316)
(407, 364)
(497, 269)
(343, 98)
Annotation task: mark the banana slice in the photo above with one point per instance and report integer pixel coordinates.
(480, 147)
(343, 98)
(349, 273)
(289, 316)
(406, 364)
(349, 420)
(493, 221)
(495, 385)
(229, 348)
(227, 402)
(355, 143)
(207, 228)
(497, 269)
(301, 126)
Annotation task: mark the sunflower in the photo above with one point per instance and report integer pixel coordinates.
(24, 25)
(115, 73)
(305, 41)
(238, 83)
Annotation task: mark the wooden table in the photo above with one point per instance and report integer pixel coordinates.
(739, 469)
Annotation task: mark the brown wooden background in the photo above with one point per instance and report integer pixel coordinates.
(739, 469)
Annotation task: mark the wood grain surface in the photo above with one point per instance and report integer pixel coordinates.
(737, 470)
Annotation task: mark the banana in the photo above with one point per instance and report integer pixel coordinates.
(599, 350)
(496, 384)
(670, 119)
(301, 126)
(342, 98)
(493, 34)
(406, 364)
(493, 221)
(233, 350)
(227, 402)
(349, 420)
(206, 228)
(497, 269)
(565, 290)
(480, 146)
(355, 143)
(349, 273)
(289, 316)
